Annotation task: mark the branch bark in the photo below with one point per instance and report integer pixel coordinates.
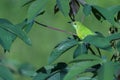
(53, 28)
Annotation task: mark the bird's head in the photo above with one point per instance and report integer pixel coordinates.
(75, 24)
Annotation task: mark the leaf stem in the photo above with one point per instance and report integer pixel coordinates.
(53, 28)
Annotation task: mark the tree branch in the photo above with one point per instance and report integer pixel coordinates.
(53, 28)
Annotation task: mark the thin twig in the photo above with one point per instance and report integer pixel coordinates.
(53, 28)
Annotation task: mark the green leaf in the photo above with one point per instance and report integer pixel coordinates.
(106, 72)
(87, 9)
(41, 76)
(117, 68)
(86, 78)
(51, 70)
(115, 36)
(98, 41)
(81, 49)
(55, 77)
(104, 13)
(35, 8)
(86, 57)
(25, 26)
(63, 6)
(79, 68)
(114, 9)
(28, 27)
(52, 76)
(5, 73)
(61, 48)
(16, 31)
(58, 76)
(6, 39)
(2, 21)
(27, 70)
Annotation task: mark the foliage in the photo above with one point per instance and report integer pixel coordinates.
(85, 58)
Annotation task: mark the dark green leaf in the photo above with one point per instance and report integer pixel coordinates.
(113, 37)
(41, 76)
(16, 31)
(58, 75)
(106, 14)
(86, 78)
(27, 70)
(9, 32)
(63, 73)
(61, 48)
(86, 57)
(2, 21)
(98, 41)
(25, 26)
(114, 9)
(106, 72)
(79, 68)
(35, 8)
(81, 49)
(21, 24)
(87, 9)
(117, 69)
(6, 39)
(57, 71)
(5, 73)
(55, 77)
(63, 6)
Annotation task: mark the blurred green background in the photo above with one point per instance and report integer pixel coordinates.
(43, 39)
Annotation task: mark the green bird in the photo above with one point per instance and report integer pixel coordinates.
(81, 30)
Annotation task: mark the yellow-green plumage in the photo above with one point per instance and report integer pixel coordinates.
(81, 30)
